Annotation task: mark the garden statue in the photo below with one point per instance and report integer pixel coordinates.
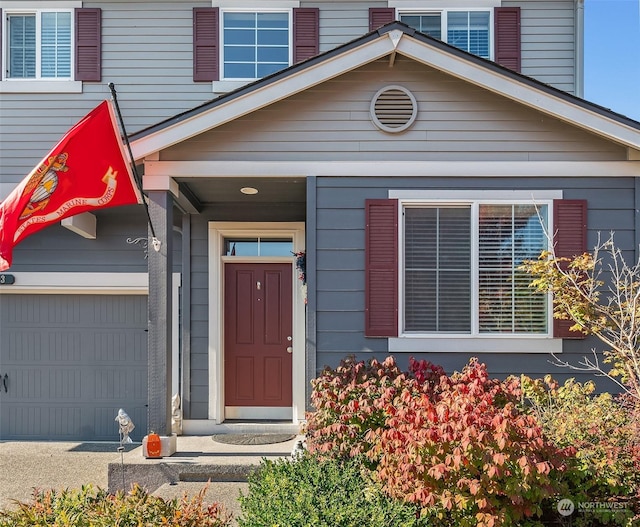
(126, 426)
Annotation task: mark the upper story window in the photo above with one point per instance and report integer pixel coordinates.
(467, 30)
(39, 45)
(255, 44)
(49, 47)
(236, 44)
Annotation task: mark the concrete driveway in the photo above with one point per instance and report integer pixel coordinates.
(25, 465)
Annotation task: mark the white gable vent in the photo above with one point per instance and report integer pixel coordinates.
(393, 109)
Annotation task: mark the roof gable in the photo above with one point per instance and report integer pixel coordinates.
(456, 121)
(389, 41)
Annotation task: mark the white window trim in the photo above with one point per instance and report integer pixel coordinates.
(40, 86)
(37, 85)
(253, 9)
(473, 342)
(217, 233)
(424, 9)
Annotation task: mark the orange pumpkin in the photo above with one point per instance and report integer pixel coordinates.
(154, 446)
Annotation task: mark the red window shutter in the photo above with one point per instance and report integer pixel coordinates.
(570, 239)
(379, 16)
(306, 33)
(88, 41)
(381, 268)
(206, 56)
(507, 37)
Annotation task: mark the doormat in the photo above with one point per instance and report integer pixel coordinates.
(252, 439)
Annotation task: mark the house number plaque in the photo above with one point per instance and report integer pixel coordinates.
(7, 279)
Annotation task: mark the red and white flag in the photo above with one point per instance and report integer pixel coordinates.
(87, 170)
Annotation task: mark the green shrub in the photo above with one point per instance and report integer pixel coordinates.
(91, 507)
(313, 492)
(603, 435)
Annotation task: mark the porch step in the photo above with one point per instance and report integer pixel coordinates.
(242, 427)
(197, 460)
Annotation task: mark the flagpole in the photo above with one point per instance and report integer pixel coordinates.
(154, 240)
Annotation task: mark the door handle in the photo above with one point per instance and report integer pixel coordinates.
(290, 349)
(4, 382)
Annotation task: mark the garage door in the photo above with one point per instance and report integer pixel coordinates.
(69, 362)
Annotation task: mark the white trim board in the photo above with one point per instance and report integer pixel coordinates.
(512, 345)
(158, 173)
(78, 283)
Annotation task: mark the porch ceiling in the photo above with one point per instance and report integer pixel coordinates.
(226, 190)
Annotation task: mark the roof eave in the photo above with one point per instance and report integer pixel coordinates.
(393, 38)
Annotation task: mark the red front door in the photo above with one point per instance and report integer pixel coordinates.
(257, 337)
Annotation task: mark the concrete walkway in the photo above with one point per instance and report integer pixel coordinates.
(27, 465)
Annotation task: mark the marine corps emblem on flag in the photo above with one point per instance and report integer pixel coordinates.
(43, 183)
(87, 170)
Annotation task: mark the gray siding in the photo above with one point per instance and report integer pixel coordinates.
(56, 249)
(147, 54)
(548, 41)
(456, 121)
(339, 272)
(341, 22)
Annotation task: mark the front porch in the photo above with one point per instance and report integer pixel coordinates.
(201, 222)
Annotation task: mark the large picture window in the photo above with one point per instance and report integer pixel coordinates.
(39, 45)
(461, 271)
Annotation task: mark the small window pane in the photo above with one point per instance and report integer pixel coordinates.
(508, 235)
(268, 69)
(274, 56)
(239, 20)
(239, 37)
(438, 269)
(240, 54)
(22, 46)
(469, 30)
(240, 71)
(241, 247)
(273, 20)
(258, 247)
(411, 20)
(276, 247)
(273, 38)
(429, 24)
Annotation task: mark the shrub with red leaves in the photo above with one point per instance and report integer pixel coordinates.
(457, 447)
(467, 455)
(352, 402)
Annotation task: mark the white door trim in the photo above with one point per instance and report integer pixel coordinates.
(217, 232)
